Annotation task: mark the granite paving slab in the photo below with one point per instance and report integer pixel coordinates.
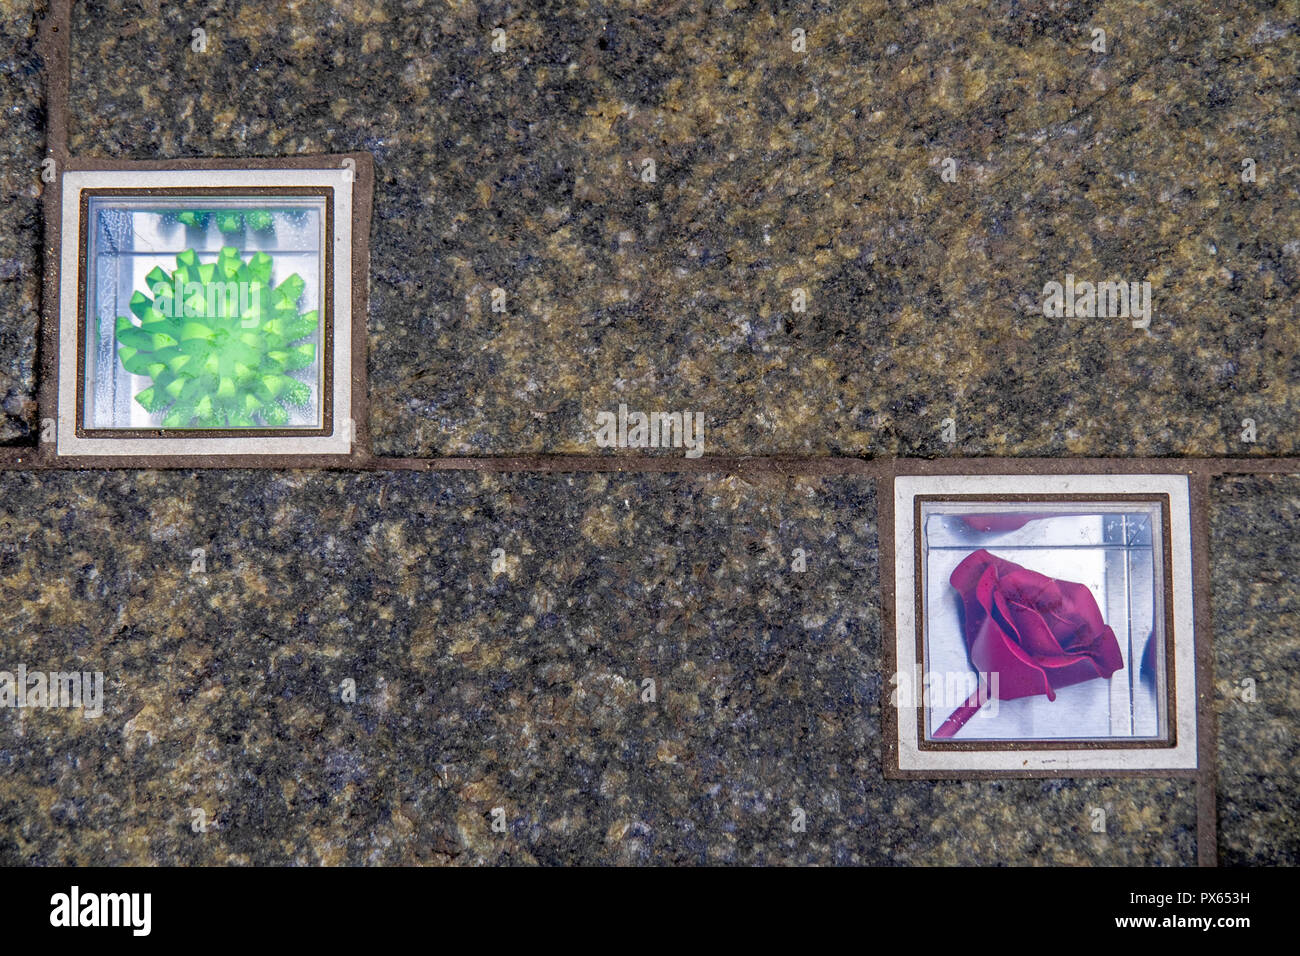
(22, 143)
(776, 172)
(225, 735)
(1255, 528)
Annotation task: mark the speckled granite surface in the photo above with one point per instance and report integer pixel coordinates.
(1256, 542)
(775, 171)
(22, 144)
(476, 690)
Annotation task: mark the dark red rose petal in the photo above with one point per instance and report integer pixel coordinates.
(994, 645)
(1036, 636)
(1037, 633)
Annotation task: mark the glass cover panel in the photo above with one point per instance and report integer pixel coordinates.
(204, 312)
(1043, 621)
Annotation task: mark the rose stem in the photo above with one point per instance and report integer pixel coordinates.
(959, 716)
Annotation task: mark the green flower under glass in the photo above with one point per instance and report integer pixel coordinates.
(218, 341)
(228, 220)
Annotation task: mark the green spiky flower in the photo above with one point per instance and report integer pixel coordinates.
(228, 220)
(218, 341)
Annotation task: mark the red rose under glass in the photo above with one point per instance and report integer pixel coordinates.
(1036, 633)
